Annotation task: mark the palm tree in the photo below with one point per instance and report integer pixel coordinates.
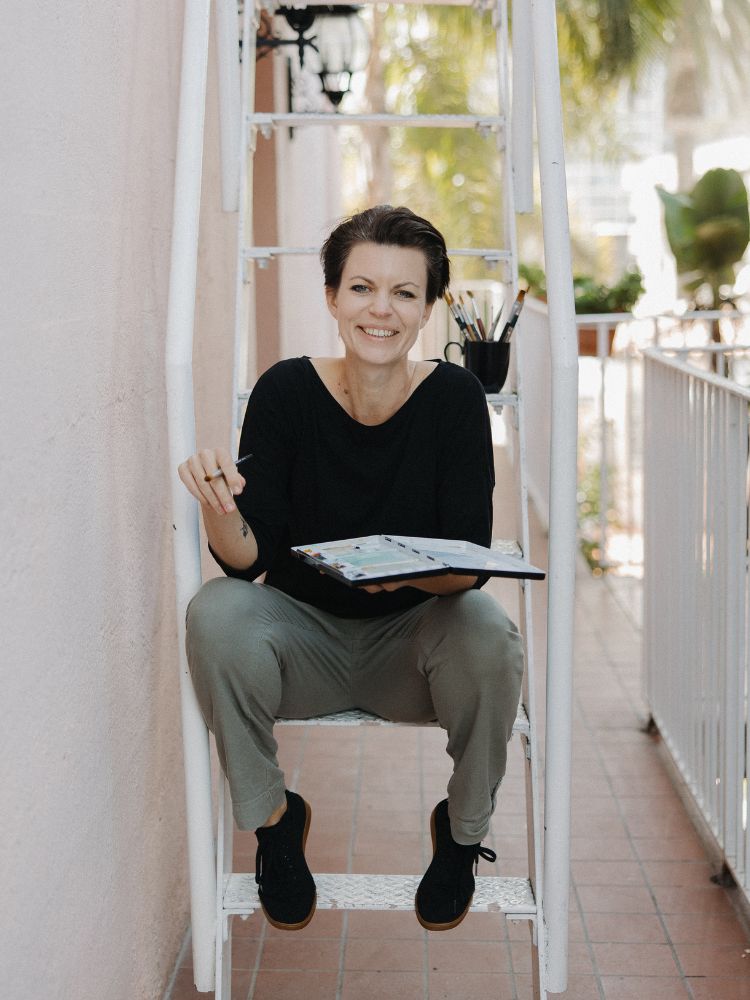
(442, 60)
(451, 176)
(700, 41)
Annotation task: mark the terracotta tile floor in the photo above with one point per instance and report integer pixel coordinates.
(646, 921)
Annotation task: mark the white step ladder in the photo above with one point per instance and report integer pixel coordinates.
(217, 892)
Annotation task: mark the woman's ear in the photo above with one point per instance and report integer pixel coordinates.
(426, 315)
(331, 302)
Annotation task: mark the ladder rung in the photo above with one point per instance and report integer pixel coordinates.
(477, 4)
(500, 399)
(493, 894)
(490, 254)
(266, 120)
(356, 717)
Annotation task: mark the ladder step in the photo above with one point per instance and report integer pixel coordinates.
(493, 894)
(490, 255)
(356, 717)
(479, 5)
(266, 120)
(500, 399)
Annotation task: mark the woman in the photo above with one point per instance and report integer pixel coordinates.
(367, 443)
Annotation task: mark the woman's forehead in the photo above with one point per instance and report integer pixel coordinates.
(375, 260)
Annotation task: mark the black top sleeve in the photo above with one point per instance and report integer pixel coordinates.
(265, 501)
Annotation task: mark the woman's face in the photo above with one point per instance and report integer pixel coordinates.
(380, 305)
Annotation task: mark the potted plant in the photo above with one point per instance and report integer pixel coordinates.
(708, 231)
(591, 298)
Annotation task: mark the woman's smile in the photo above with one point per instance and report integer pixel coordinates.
(381, 332)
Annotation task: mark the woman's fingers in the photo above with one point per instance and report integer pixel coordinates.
(188, 480)
(198, 474)
(213, 487)
(225, 468)
(376, 588)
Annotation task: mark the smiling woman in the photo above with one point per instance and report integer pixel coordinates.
(364, 444)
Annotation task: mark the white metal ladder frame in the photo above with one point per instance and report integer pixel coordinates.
(534, 26)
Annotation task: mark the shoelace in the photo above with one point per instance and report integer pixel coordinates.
(483, 852)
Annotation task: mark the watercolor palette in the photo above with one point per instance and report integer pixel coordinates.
(380, 558)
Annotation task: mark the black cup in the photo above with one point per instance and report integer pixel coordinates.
(487, 359)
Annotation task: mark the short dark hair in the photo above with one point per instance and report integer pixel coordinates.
(388, 226)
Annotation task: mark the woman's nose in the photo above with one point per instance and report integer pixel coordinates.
(381, 304)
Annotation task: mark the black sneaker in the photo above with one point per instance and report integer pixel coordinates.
(447, 887)
(285, 886)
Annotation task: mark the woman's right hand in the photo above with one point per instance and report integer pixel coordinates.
(213, 492)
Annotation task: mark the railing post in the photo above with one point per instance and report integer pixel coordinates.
(562, 534)
(602, 354)
(181, 425)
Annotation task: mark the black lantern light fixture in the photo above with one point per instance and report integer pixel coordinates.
(338, 47)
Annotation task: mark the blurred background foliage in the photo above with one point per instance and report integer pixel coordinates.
(442, 60)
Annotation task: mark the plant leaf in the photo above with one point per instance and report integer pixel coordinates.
(679, 219)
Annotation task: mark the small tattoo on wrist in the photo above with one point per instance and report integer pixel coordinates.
(244, 527)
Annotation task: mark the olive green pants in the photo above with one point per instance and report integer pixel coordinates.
(256, 654)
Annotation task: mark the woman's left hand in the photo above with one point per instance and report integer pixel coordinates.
(438, 586)
(375, 588)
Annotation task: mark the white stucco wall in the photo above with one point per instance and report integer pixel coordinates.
(92, 865)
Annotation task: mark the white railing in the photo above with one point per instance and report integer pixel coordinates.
(696, 593)
(611, 415)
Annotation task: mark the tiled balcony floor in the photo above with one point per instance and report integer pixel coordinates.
(646, 921)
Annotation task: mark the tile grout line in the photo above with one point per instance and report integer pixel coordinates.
(594, 742)
(169, 989)
(425, 939)
(258, 960)
(264, 927)
(344, 939)
(507, 942)
(587, 938)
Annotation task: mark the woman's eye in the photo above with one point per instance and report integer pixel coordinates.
(404, 294)
(360, 288)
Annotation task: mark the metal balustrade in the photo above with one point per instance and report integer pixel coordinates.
(611, 412)
(696, 590)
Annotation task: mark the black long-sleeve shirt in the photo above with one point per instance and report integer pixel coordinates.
(317, 474)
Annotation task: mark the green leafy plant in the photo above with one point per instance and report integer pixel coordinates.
(589, 514)
(591, 296)
(708, 231)
(535, 279)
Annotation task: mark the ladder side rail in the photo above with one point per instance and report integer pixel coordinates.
(227, 57)
(562, 533)
(224, 856)
(506, 148)
(522, 119)
(503, 146)
(244, 307)
(533, 809)
(504, 141)
(181, 433)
